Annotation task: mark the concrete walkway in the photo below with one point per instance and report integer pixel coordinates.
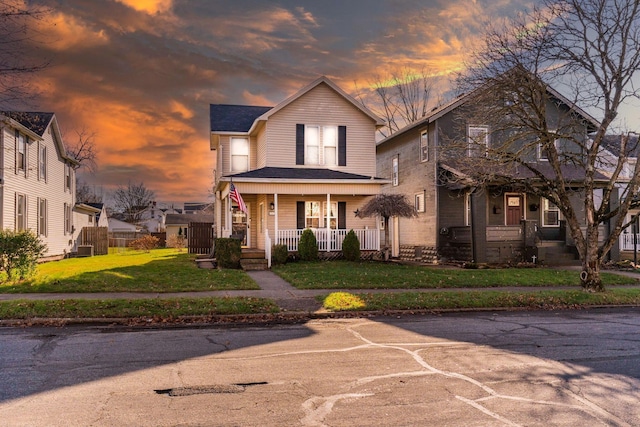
(273, 287)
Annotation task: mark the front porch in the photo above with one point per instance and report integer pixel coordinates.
(329, 240)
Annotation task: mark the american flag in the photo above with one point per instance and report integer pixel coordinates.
(236, 197)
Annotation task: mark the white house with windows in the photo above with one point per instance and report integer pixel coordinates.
(308, 162)
(37, 180)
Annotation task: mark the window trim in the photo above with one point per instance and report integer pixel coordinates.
(308, 208)
(68, 219)
(22, 142)
(232, 155)
(424, 145)
(473, 146)
(419, 202)
(21, 219)
(42, 217)
(546, 205)
(42, 161)
(395, 170)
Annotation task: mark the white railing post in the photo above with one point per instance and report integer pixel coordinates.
(267, 247)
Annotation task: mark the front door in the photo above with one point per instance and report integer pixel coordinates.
(514, 210)
(240, 225)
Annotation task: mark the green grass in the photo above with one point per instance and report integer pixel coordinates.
(160, 270)
(134, 308)
(549, 299)
(378, 275)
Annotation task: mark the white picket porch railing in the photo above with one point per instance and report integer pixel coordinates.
(626, 242)
(331, 240)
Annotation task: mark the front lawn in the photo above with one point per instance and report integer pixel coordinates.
(160, 270)
(379, 275)
(156, 308)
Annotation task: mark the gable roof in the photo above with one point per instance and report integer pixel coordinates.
(612, 143)
(234, 118)
(225, 118)
(438, 112)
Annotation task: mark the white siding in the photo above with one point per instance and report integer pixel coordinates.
(52, 189)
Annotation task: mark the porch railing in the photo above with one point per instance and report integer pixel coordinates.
(330, 240)
(626, 242)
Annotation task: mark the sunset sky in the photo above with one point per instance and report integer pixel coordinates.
(141, 74)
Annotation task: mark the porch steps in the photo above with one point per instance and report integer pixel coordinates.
(253, 259)
(555, 252)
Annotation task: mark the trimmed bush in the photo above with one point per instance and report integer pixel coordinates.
(19, 253)
(228, 252)
(308, 246)
(176, 241)
(279, 254)
(145, 243)
(351, 247)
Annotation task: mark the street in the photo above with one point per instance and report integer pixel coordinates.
(461, 369)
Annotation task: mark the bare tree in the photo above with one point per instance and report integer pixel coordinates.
(85, 193)
(387, 206)
(399, 98)
(84, 150)
(589, 51)
(133, 200)
(17, 38)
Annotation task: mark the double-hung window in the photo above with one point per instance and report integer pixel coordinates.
(21, 152)
(239, 154)
(21, 212)
(550, 214)
(42, 162)
(312, 145)
(543, 153)
(321, 145)
(424, 146)
(312, 215)
(477, 140)
(42, 217)
(68, 226)
(330, 145)
(67, 177)
(333, 215)
(419, 202)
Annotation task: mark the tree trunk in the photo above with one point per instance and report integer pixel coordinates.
(590, 275)
(385, 250)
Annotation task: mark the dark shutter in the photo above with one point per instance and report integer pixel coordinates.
(299, 145)
(342, 146)
(300, 215)
(342, 215)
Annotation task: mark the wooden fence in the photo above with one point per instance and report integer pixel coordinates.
(201, 235)
(98, 237)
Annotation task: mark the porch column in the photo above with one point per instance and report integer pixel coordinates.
(328, 222)
(275, 226)
(614, 202)
(479, 226)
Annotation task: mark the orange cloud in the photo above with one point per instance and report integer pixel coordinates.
(148, 6)
(66, 32)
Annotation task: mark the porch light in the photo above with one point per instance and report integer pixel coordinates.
(272, 206)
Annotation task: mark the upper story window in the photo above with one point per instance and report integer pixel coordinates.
(321, 145)
(477, 140)
(394, 171)
(543, 154)
(67, 177)
(21, 152)
(424, 146)
(239, 154)
(42, 162)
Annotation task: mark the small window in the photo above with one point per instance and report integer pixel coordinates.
(90, 219)
(551, 215)
(424, 146)
(239, 154)
(394, 172)
(21, 212)
(330, 145)
(312, 145)
(21, 150)
(477, 141)
(67, 177)
(42, 217)
(419, 202)
(544, 154)
(67, 219)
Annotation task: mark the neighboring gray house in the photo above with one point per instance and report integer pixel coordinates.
(456, 222)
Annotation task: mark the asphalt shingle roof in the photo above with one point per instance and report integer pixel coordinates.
(234, 118)
(299, 173)
(35, 121)
(612, 143)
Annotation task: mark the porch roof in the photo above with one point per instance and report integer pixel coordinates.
(303, 174)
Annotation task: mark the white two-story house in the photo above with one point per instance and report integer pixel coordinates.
(308, 162)
(37, 180)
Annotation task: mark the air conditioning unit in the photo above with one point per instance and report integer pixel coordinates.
(85, 250)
